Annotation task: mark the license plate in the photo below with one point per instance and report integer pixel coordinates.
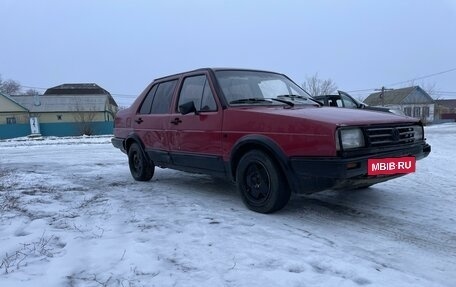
(393, 165)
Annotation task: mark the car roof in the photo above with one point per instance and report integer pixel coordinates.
(213, 70)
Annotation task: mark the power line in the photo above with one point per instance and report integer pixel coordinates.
(445, 92)
(36, 88)
(403, 82)
(362, 90)
(423, 77)
(352, 91)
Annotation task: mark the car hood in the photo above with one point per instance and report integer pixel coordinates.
(333, 116)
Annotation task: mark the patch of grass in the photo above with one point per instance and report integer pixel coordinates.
(34, 190)
(19, 258)
(9, 201)
(4, 173)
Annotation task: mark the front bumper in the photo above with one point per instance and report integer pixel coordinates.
(316, 174)
(119, 143)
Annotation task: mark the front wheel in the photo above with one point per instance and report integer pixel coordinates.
(140, 167)
(261, 183)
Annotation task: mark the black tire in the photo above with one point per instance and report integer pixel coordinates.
(261, 183)
(365, 186)
(140, 167)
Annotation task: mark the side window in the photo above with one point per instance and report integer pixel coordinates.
(147, 103)
(163, 97)
(197, 89)
(348, 103)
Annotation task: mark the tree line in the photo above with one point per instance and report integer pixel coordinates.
(313, 85)
(12, 87)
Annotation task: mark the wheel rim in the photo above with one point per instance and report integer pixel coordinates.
(257, 183)
(137, 163)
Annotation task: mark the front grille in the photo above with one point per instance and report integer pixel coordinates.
(385, 136)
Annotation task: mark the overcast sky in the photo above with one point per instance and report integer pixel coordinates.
(124, 45)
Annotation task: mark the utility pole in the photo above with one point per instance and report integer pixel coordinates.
(382, 94)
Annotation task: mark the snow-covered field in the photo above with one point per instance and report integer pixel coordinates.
(71, 215)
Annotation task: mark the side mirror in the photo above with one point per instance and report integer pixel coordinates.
(187, 108)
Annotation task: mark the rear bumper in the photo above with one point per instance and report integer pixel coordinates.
(316, 174)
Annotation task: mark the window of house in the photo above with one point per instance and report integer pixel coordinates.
(163, 97)
(408, 111)
(425, 111)
(11, 121)
(59, 117)
(416, 112)
(197, 89)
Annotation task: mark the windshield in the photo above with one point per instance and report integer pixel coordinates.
(253, 87)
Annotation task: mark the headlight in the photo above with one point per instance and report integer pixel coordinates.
(349, 138)
(418, 132)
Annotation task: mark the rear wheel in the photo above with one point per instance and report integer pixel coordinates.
(364, 186)
(140, 167)
(261, 183)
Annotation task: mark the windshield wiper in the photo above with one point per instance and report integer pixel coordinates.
(283, 101)
(293, 97)
(249, 100)
(261, 100)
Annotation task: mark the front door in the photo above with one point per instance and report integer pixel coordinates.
(195, 138)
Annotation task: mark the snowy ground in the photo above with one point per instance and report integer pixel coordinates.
(71, 215)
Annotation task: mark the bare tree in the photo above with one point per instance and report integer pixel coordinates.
(9, 87)
(31, 92)
(431, 89)
(428, 87)
(316, 86)
(84, 118)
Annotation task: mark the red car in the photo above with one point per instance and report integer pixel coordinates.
(265, 133)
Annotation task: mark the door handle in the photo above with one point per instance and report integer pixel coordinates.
(176, 121)
(139, 120)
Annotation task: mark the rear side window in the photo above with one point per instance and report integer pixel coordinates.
(147, 103)
(198, 90)
(163, 97)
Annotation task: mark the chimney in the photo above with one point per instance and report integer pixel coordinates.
(36, 99)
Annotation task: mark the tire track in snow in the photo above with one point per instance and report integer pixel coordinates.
(423, 236)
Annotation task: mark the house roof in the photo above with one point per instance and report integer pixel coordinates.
(395, 97)
(12, 100)
(390, 97)
(450, 103)
(77, 89)
(64, 103)
(80, 89)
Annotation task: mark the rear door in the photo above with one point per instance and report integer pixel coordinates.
(152, 121)
(196, 139)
